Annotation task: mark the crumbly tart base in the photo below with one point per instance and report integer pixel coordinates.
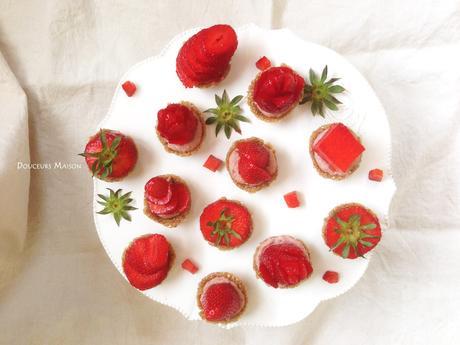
(245, 187)
(233, 279)
(168, 222)
(337, 209)
(172, 257)
(256, 269)
(250, 231)
(199, 115)
(324, 174)
(255, 109)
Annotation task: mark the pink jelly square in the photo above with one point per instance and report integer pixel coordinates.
(339, 147)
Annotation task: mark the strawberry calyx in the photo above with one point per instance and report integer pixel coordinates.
(117, 204)
(351, 233)
(103, 164)
(319, 91)
(227, 114)
(222, 228)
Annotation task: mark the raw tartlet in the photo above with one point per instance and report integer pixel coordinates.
(275, 92)
(226, 224)
(180, 128)
(147, 260)
(335, 151)
(221, 297)
(252, 164)
(167, 200)
(282, 261)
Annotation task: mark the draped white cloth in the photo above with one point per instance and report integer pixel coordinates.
(59, 64)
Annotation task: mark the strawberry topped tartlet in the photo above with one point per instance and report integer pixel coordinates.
(252, 164)
(147, 261)
(282, 261)
(180, 128)
(204, 59)
(221, 297)
(110, 155)
(275, 92)
(335, 151)
(351, 230)
(167, 200)
(226, 224)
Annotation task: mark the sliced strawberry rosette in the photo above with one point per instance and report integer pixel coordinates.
(226, 224)
(180, 128)
(167, 199)
(252, 164)
(221, 297)
(351, 230)
(110, 155)
(335, 151)
(275, 92)
(147, 261)
(204, 59)
(282, 261)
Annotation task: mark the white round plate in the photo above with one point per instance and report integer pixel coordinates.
(159, 85)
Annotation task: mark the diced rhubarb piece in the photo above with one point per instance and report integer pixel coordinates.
(212, 163)
(188, 265)
(376, 175)
(129, 88)
(263, 63)
(339, 147)
(331, 277)
(292, 199)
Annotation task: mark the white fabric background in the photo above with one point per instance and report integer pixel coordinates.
(61, 61)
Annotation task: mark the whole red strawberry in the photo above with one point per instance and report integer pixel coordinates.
(205, 57)
(226, 224)
(110, 155)
(147, 260)
(351, 230)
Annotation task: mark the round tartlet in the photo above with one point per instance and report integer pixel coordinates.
(147, 260)
(354, 226)
(273, 250)
(170, 220)
(258, 88)
(233, 160)
(204, 298)
(320, 165)
(192, 146)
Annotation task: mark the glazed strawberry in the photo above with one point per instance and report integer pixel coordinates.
(252, 164)
(221, 297)
(376, 175)
(263, 63)
(275, 92)
(331, 277)
(351, 230)
(110, 155)
(188, 265)
(129, 88)
(167, 199)
(180, 128)
(226, 224)
(282, 261)
(212, 163)
(292, 200)
(147, 260)
(205, 57)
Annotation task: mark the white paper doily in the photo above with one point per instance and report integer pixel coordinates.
(158, 85)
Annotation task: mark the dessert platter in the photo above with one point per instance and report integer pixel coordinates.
(242, 176)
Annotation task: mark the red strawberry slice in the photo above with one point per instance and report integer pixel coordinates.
(148, 254)
(292, 200)
(158, 190)
(220, 41)
(144, 281)
(263, 63)
(177, 124)
(188, 265)
(251, 173)
(129, 88)
(331, 277)
(221, 302)
(212, 163)
(254, 152)
(376, 175)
